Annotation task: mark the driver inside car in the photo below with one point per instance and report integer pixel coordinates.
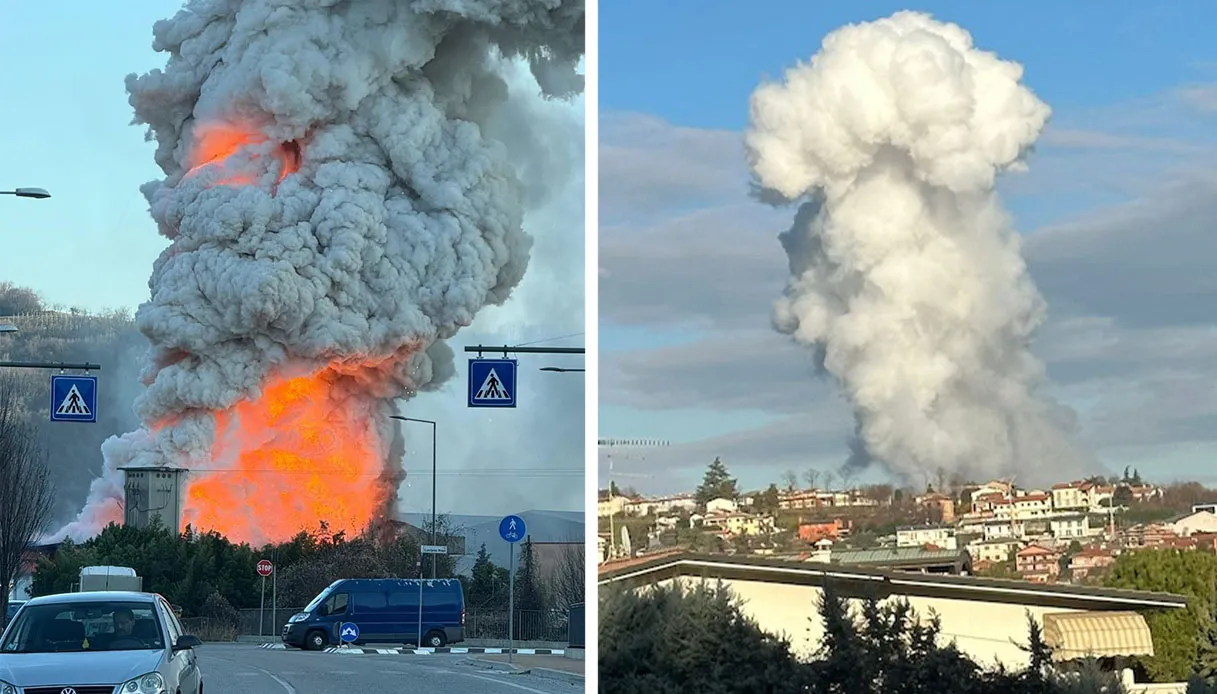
(124, 623)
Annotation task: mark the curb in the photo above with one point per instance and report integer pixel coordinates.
(360, 650)
(558, 675)
(273, 646)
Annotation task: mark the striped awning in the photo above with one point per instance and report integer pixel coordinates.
(1097, 634)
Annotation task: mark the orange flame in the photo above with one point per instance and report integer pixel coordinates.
(216, 144)
(298, 456)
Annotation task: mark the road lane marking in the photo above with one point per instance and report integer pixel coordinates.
(505, 683)
(286, 686)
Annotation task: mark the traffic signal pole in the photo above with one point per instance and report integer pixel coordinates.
(49, 365)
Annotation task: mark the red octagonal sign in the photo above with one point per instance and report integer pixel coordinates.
(265, 568)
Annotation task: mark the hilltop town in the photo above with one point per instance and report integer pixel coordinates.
(1070, 532)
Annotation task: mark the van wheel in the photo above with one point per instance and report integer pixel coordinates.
(315, 640)
(434, 639)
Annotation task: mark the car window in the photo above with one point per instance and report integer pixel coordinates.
(85, 626)
(337, 604)
(171, 623)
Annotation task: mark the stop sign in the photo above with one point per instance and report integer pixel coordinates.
(265, 568)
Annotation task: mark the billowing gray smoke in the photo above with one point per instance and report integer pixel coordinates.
(907, 277)
(332, 199)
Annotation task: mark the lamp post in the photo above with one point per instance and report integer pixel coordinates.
(35, 193)
(433, 522)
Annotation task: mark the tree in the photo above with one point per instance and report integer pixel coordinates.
(673, 640)
(1183, 638)
(487, 584)
(1122, 496)
(568, 580)
(847, 473)
(529, 594)
(828, 478)
(791, 480)
(26, 492)
(768, 501)
(15, 301)
(811, 475)
(717, 484)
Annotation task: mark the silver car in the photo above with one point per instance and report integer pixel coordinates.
(104, 642)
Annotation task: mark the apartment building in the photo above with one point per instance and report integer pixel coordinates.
(993, 551)
(734, 523)
(942, 536)
(1036, 562)
(1069, 526)
(1030, 505)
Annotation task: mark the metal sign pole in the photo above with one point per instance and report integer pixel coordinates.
(262, 609)
(511, 603)
(420, 601)
(274, 593)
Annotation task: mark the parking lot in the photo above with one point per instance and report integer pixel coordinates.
(248, 669)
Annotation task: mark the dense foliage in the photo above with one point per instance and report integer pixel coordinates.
(672, 640)
(1185, 641)
(204, 572)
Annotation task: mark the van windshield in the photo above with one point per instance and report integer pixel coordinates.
(320, 597)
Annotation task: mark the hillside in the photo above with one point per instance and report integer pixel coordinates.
(50, 334)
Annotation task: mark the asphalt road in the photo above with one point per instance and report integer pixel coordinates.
(247, 669)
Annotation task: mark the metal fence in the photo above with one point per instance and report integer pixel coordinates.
(530, 625)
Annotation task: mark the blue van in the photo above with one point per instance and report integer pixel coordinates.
(384, 609)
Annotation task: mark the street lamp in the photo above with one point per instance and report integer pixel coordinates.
(560, 370)
(36, 193)
(9, 328)
(433, 522)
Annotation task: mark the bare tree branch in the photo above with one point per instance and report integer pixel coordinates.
(26, 492)
(568, 578)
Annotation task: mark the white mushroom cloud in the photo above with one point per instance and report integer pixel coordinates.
(907, 277)
(404, 219)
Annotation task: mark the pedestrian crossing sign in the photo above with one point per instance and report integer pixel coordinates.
(492, 383)
(73, 398)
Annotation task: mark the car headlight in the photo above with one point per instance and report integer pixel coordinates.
(151, 683)
(298, 617)
(6, 688)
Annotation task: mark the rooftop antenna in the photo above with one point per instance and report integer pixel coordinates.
(622, 443)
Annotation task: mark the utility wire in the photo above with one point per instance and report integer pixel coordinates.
(549, 339)
(517, 472)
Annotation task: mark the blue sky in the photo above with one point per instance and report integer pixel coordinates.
(65, 126)
(1131, 88)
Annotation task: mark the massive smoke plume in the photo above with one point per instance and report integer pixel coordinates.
(907, 278)
(336, 211)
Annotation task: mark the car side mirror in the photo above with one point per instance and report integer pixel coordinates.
(187, 641)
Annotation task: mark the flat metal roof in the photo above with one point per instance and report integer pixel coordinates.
(863, 581)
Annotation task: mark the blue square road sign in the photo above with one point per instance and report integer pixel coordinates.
(73, 398)
(492, 382)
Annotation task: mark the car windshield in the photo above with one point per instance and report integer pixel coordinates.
(85, 626)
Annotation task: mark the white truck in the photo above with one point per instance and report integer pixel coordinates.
(109, 578)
